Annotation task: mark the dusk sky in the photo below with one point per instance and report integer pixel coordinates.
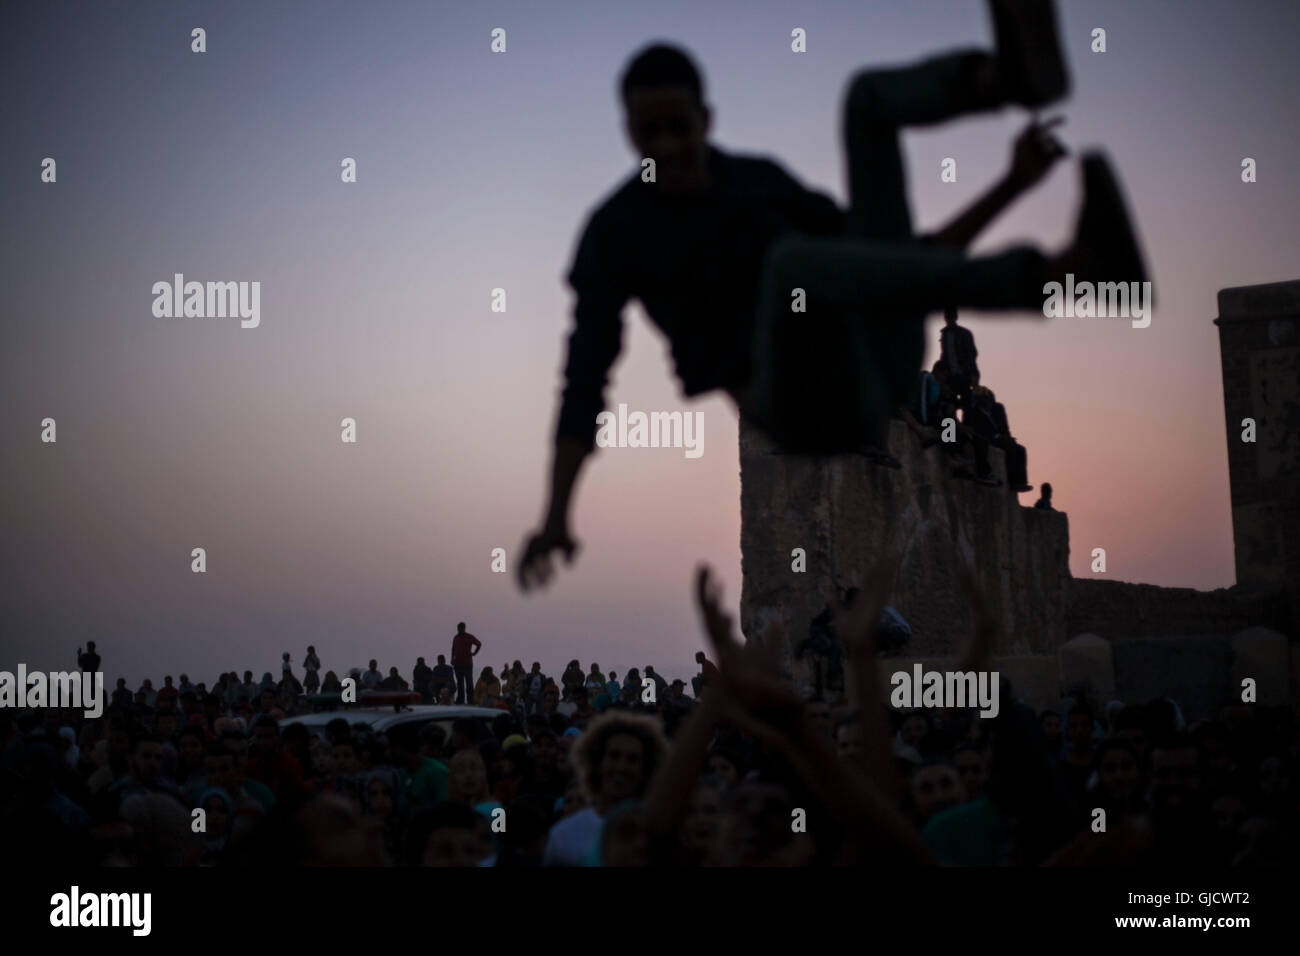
(475, 171)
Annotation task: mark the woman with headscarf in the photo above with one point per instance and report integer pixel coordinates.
(572, 678)
(487, 686)
(217, 809)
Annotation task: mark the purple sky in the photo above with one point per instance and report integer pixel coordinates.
(475, 171)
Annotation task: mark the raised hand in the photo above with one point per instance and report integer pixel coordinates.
(749, 681)
(1035, 151)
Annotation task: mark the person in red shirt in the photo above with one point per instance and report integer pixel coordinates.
(708, 672)
(463, 648)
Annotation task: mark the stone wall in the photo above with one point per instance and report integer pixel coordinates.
(1118, 610)
(1119, 639)
(841, 511)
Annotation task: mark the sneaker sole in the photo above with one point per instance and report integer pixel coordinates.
(1029, 45)
(1107, 218)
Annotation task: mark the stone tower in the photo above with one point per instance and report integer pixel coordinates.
(1259, 344)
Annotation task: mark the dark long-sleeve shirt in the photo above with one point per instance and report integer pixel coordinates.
(694, 263)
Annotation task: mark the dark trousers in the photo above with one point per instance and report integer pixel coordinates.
(464, 683)
(826, 378)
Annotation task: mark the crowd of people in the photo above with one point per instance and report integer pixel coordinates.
(598, 769)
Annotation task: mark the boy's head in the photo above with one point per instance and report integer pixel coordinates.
(666, 117)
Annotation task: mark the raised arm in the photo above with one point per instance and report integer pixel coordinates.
(1034, 153)
(670, 791)
(753, 697)
(594, 344)
(857, 626)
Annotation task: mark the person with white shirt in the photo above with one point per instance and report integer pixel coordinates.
(616, 758)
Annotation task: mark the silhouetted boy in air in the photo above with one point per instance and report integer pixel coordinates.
(717, 245)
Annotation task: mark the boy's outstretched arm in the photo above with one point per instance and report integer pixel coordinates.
(1033, 154)
(535, 565)
(594, 344)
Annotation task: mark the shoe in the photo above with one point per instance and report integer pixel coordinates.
(1029, 51)
(1105, 238)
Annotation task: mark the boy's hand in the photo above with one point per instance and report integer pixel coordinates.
(1035, 151)
(534, 569)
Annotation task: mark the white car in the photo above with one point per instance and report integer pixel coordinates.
(383, 719)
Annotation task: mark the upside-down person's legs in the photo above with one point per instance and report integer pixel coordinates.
(821, 377)
(879, 103)
(828, 376)
(1028, 68)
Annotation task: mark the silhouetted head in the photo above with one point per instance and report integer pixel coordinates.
(460, 628)
(666, 118)
(1047, 490)
(950, 316)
